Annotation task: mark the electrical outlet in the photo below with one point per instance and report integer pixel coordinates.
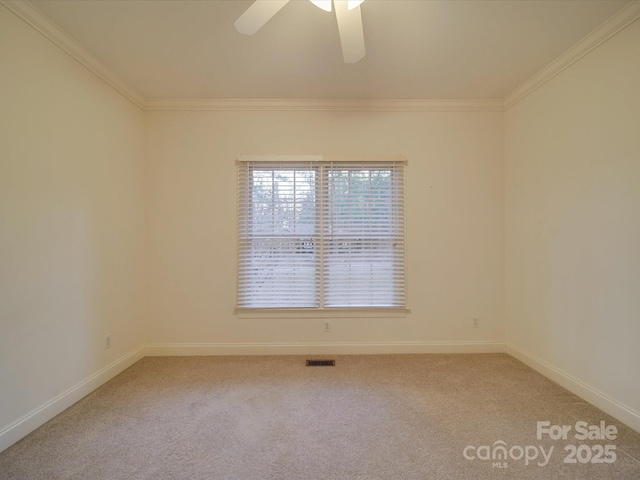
(327, 327)
(107, 341)
(476, 322)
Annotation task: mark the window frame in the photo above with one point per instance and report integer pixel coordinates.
(319, 163)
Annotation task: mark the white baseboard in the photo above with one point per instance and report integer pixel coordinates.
(28, 423)
(196, 349)
(31, 421)
(592, 395)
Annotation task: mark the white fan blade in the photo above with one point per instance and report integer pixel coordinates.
(350, 29)
(259, 13)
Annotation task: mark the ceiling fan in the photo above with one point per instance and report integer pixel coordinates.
(347, 14)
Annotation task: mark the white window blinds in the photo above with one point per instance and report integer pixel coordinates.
(320, 233)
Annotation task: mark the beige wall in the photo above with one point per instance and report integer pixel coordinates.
(573, 221)
(455, 223)
(71, 224)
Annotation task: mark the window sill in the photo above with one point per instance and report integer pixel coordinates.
(364, 312)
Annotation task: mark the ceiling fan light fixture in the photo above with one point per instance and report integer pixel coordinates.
(347, 14)
(351, 4)
(323, 4)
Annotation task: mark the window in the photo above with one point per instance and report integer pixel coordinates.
(320, 233)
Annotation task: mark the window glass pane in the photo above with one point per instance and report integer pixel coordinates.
(327, 235)
(277, 263)
(283, 202)
(362, 264)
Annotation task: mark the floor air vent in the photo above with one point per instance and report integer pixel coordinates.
(321, 363)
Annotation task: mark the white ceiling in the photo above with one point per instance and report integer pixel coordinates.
(420, 49)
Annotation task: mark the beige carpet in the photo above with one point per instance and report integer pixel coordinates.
(394, 417)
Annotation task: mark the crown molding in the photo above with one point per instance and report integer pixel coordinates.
(55, 34)
(400, 105)
(619, 21)
(32, 16)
